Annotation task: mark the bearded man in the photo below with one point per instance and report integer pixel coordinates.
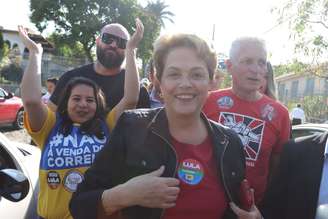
(107, 70)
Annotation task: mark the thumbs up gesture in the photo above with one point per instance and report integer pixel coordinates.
(151, 190)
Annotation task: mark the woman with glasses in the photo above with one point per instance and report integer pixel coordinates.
(169, 162)
(70, 138)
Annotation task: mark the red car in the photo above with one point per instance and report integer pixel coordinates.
(11, 109)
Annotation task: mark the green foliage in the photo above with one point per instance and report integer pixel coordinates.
(308, 24)
(12, 72)
(77, 22)
(151, 32)
(315, 107)
(2, 44)
(158, 10)
(81, 20)
(3, 48)
(62, 48)
(227, 80)
(293, 67)
(153, 17)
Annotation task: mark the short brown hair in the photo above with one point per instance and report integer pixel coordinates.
(166, 43)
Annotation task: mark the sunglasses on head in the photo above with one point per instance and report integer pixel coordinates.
(108, 38)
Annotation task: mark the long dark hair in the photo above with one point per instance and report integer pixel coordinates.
(93, 125)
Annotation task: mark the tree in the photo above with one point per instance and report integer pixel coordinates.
(4, 50)
(81, 20)
(12, 72)
(153, 17)
(62, 48)
(2, 45)
(292, 67)
(308, 23)
(313, 110)
(151, 32)
(159, 11)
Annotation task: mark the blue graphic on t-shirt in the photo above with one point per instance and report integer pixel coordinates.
(71, 151)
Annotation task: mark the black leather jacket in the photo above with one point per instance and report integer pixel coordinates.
(141, 143)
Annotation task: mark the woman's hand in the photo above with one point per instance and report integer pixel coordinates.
(152, 191)
(30, 44)
(137, 36)
(148, 190)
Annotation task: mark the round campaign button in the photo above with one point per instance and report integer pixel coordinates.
(53, 179)
(191, 171)
(72, 179)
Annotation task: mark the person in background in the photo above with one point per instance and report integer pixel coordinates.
(297, 115)
(261, 122)
(155, 96)
(217, 80)
(169, 162)
(51, 85)
(268, 86)
(145, 82)
(107, 71)
(299, 189)
(70, 138)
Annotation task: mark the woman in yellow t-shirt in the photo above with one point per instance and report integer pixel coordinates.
(70, 137)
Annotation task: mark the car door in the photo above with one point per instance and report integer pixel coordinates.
(7, 109)
(305, 132)
(10, 209)
(24, 158)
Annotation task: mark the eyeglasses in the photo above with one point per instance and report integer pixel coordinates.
(108, 38)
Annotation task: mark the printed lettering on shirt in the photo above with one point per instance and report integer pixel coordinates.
(225, 102)
(72, 179)
(191, 171)
(53, 179)
(249, 129)
(268, 112)
(71, 151)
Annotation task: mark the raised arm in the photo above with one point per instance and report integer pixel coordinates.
(131, 81)
(31, 83)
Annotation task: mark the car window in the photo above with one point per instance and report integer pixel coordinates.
(5, 159)
(304, 132)
(2, 94)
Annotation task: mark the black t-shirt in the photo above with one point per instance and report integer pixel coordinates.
(111, 85)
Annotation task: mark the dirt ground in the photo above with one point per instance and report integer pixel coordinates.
(16, 135)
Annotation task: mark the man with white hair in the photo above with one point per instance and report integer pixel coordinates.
(107, 70)
(262, 123)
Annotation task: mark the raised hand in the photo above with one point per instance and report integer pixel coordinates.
(30, 44)
(137, 35)
(151, 190)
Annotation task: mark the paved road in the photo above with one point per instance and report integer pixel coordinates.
(15, 135)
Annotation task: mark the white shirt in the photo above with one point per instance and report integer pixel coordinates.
(322, 209)
(297, 113)
(45, 98)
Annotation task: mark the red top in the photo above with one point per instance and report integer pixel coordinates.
(201, 194)
(263, 127)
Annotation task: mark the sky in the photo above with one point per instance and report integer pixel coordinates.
(231, 18)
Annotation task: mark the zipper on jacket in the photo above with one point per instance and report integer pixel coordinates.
(176, 159)
(226, 142)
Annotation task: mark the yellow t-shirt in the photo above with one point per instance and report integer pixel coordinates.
(64, 161)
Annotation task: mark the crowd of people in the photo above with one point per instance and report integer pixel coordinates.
(190, 150)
